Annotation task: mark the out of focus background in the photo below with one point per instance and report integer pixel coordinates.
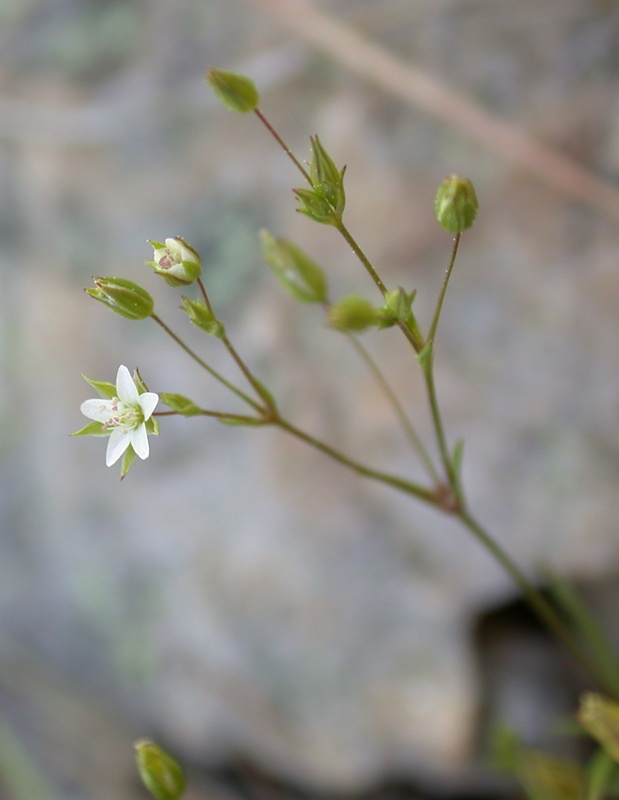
(284, 628)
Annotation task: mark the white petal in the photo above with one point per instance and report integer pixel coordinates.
(126, 388)
(97, 409)
(148, 403)
(139, 441)
(118, 443)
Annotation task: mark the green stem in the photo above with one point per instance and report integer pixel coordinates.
(439, 429)
(205, 366)
(415, 489)
(536, 600)
(283, 145)
(441, 297)
(203, 412)
(257, 387)
(406, 423)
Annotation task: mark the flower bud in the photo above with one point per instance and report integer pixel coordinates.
(456, 204)
(202, 317)
(176, 261)
(353, 314)
(300, 276)
(122, 296)
(235, 91)
(160, 773)
(326, 200)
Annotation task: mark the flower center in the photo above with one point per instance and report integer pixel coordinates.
(124, 416)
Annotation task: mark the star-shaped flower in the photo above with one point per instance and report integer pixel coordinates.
(124, 413)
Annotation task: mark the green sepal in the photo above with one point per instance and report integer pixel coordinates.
(203, 318)
(152, 426)
(327, 180)
(104, 389)
(92, 429)
(179, 403)
(127, 461)
(425, 355)
(300, 275)
(397, 308)
(236, 92)
(315, 206)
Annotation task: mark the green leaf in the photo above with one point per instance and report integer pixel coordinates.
(179, 403)
(104, 389)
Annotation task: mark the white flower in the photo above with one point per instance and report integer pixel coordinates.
(124, 417)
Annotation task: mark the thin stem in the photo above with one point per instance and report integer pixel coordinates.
(258, 388)
(203, 412)
(283, 145)
(439, 429)
(406, 423)
(544, 610)
(205, 366)
(415, 489)
(441, 297)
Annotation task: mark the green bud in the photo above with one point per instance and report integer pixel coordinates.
(599, 716)
(235, 91)
(456, 204)
(300, 276)
(122, 296)
(326, 200)
(176, 261)
(160, 773)
(202, 317)
(353, 313)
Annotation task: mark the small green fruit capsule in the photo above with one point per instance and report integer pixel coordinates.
(456, 204)
(300, 275)
(160, 773)
(327, 179)
(235, 91)
(353, 314)
(175, 261)
(123, 297)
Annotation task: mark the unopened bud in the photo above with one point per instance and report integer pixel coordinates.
(235, 91)
(456, 204)
(326, 200)
(122, 296)
(353, 314)
(300, 275)
(176, 261)
(160, 773)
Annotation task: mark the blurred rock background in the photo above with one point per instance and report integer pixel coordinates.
(251, 605)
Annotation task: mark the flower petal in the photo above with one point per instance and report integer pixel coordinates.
(126, 388)
(148, 403)
(120, 440)
(97, 409)
(139, 441)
